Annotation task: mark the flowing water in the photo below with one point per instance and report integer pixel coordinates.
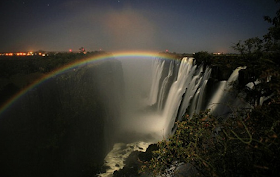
(170, 90)
(113, 107)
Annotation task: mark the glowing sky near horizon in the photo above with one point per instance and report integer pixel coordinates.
(177, 25)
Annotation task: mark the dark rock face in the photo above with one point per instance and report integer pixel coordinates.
(63, 127)
(133, 162)
(220, 73)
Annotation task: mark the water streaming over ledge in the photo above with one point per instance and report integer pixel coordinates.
(109, 107)
(177, 88)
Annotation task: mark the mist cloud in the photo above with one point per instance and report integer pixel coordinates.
(129, 29)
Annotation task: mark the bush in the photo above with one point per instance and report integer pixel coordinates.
(238, 146)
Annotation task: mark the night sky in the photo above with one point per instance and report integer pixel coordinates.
(183, 26)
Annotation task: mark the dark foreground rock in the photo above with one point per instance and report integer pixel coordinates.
(133, 162)
(61, 127)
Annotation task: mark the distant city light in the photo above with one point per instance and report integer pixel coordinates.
(9, 54)
(22, 54)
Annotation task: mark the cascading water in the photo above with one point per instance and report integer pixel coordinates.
(115, 105)
(154, 118)
(157, 68)
(164, 85)
(187, 72)
(222, 99)
(196, 86)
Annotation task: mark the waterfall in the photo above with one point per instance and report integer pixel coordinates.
(196, 87)
(188, 94)
(178, 88)
(111, 108)
(222, 98)
(164, 84)
(157, 68)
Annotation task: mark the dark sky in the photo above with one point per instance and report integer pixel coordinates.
(177, 25)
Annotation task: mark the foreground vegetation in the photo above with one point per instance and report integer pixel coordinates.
(245, 144)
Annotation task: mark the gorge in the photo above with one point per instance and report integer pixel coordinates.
(66, 124)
